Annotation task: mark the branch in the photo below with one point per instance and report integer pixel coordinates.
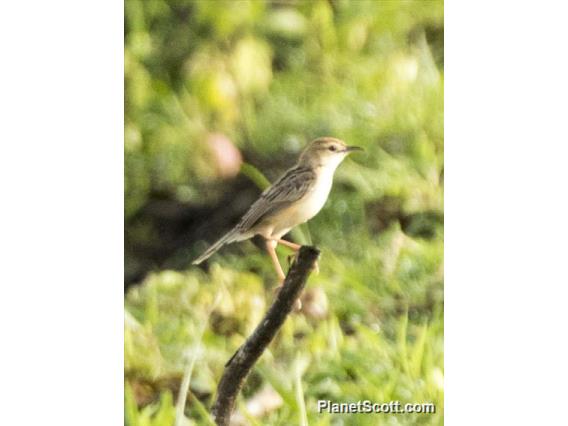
(239, 366)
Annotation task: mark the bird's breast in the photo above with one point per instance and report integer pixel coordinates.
(305, 208)
(313, 202)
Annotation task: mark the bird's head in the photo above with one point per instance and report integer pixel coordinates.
(326, 152)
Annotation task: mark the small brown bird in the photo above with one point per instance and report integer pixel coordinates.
(296, 197)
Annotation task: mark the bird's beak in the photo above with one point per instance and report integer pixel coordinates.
(353, 148)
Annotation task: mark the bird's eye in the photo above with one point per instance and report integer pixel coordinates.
(332, 148)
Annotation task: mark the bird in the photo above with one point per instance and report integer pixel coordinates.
(294, 198)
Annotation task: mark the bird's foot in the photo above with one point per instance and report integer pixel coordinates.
(293, 257)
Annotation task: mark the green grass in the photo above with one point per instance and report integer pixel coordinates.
(381, 338)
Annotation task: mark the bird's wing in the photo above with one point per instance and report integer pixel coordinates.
(290, 187)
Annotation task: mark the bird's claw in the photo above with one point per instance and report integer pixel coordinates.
(291, 258)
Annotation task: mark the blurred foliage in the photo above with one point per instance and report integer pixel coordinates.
(210, 81)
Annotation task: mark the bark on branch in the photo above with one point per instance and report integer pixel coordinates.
(239, 366)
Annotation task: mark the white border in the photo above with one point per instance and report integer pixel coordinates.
(61, 162)
(506, 213)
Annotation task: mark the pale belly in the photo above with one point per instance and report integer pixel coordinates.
(301, 211)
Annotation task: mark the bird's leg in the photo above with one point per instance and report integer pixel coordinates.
(293, 246)
(271, 248)
(296, 248)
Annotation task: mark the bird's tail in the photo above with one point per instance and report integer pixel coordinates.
(228, 238)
